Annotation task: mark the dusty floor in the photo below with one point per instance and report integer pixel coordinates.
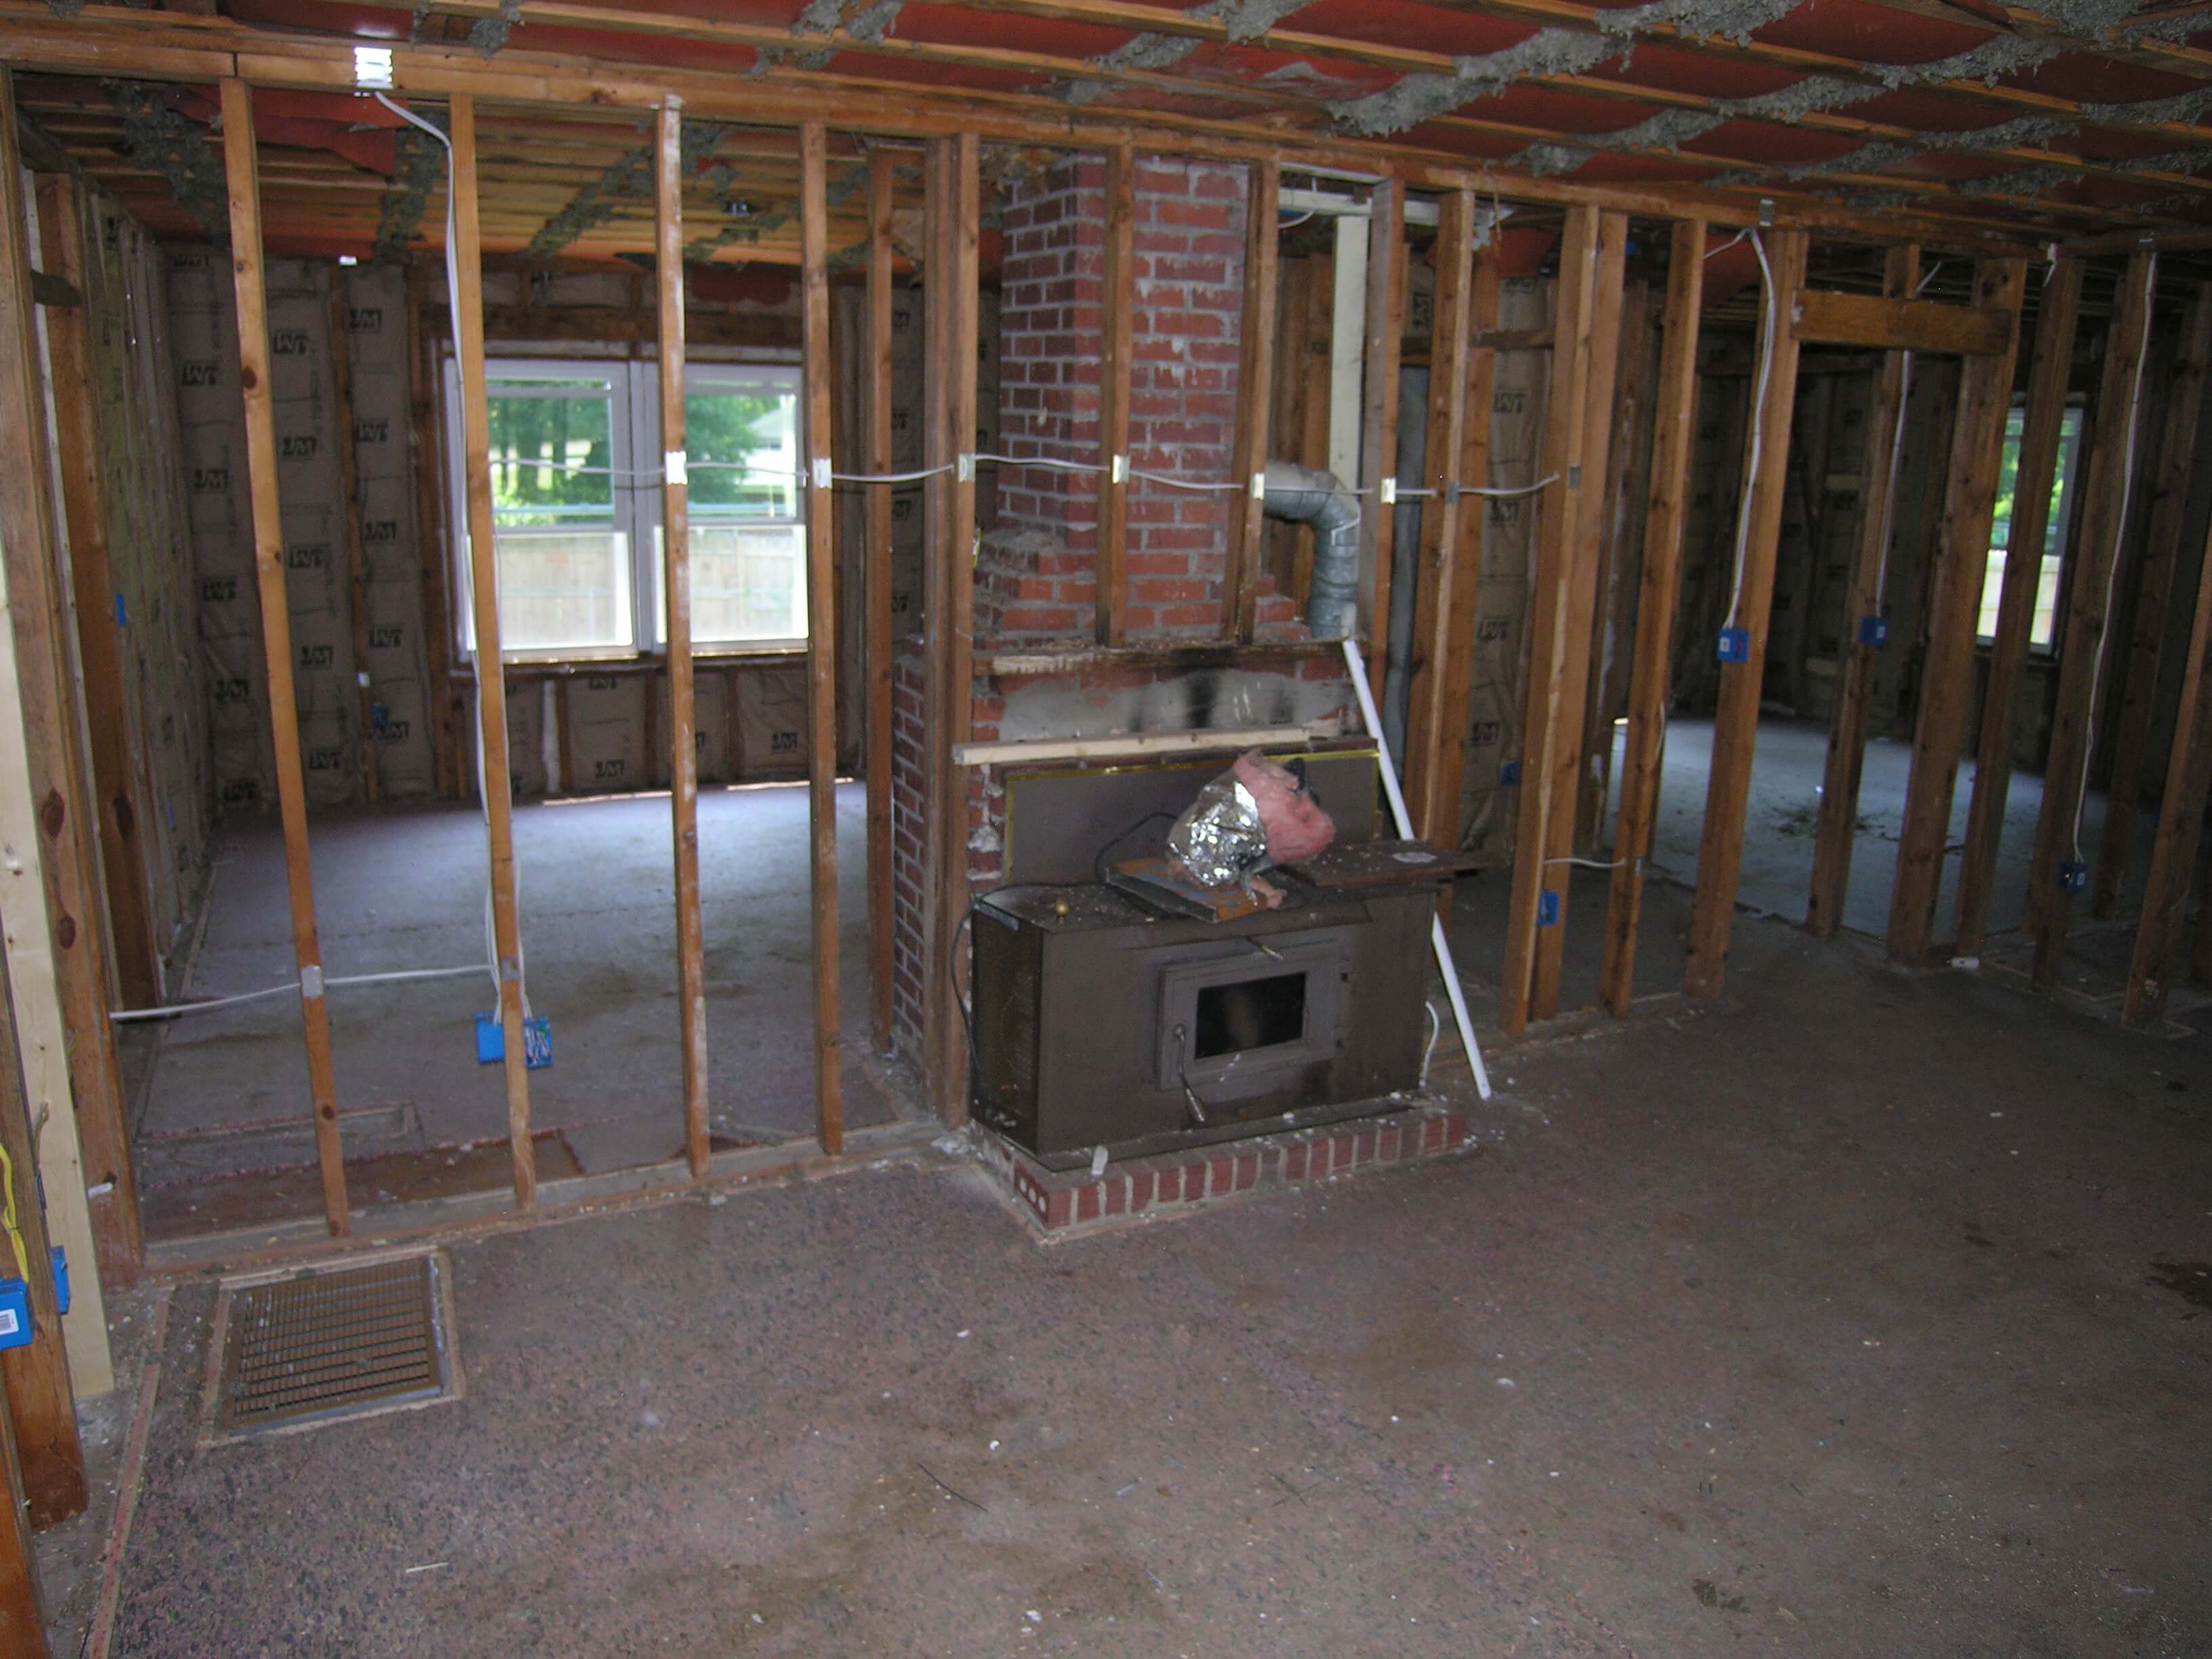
(1856, 1316)
(404, 888)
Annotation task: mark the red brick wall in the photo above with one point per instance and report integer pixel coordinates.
(1034, 580)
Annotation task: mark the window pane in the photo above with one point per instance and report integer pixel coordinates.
(743, 445)
(564, 562)
(563, 590)
(747, 583)
(2042, 629)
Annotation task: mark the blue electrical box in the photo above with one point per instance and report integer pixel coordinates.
(1509, 775)
(1735, 645)
(1874, 631)
(2073, 877)
(1548, 908)
(536, 1041)
(16, 1328)
(61, 1280)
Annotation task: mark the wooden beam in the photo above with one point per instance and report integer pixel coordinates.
(1431, 726)
(1837, 826)
(148, 46)
(2113, 421)
(1117, 298)
(277, 636)
(1378, 417)
(356, 557)
(2182, 405)
(41, 1414)
(821, 634)
(1558, 521)
(2050, 370)
(1947, 683)
(598, 324)
(1735, 722)
(1590, 359)
(877, 606)
(954, 209)
(676, 572)
(1818, 317)
(496, 778)
(55, 918)
(99, 658)
(1255, 368)
(2180, 819)
(23, 1607)
(1658, 593)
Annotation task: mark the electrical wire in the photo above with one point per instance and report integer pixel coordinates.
(208, 1005)
(8, 1217)
(2119, 528)
(1757, 419)
(483, 795)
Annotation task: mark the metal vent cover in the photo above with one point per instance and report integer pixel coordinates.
(297, 1349)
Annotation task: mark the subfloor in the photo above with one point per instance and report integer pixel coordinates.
(1862, 1313)
(224, 1093)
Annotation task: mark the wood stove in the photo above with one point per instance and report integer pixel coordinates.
(1100, 1022)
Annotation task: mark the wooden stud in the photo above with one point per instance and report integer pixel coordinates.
(239, 166)
(136, 956)
(1552, 770)
(56, 776)
(2094, 548)
(1255, 368)
(498, 779)
(2049, 372)
(878, 603)
(1432, 725)
(1558, 519)
(1946, 683)
(2183, 404)
(822, 634)
(1736, 723)
(22, 1608)
(1659, 588)
(676, 571)
(1304, 436)
(1378, 422)
(1880, 464)
(1117, 298)
(427, 449)
(356, 557)
(41, 1414)
(954, 207)
(2181, 816)
(1822, 317)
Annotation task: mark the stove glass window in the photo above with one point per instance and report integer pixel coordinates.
(1250, 1014)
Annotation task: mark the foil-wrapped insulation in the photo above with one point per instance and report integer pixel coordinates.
(1219, 841)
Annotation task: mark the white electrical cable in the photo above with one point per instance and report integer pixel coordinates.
(1499, 491)
(1589, 864)
(210, 1004)
(1758, 420)
(483, 795)
(1399, 815)
(2119, 529)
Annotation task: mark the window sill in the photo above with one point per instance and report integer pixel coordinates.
(734, 656)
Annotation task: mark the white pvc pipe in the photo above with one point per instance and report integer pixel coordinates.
(1406, 831)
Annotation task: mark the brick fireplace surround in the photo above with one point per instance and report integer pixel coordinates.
(1034, 572)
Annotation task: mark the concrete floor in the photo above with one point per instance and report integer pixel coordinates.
(403, 888)
(1856, 1316)
(1788, 764)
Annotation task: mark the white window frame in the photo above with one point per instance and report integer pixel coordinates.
(635, 459)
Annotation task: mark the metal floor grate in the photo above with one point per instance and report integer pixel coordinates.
(345, 1342)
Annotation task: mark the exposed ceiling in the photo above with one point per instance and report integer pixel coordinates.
(2086, 115)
